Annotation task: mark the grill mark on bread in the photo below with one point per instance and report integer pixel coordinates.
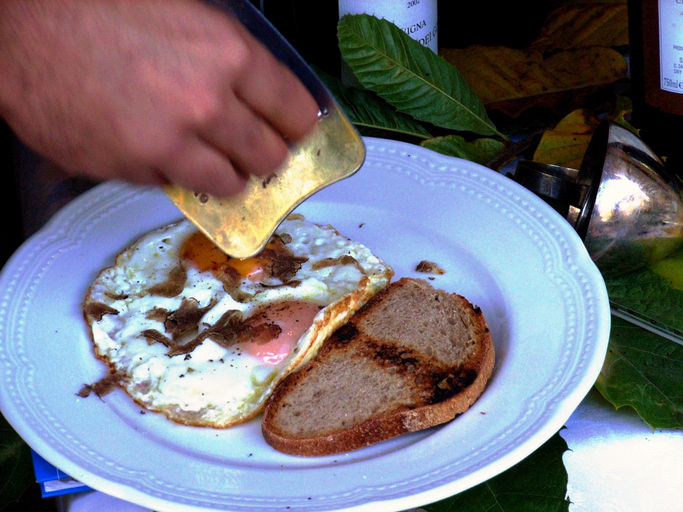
(343, 335)
(390, 355)
(451, 384)
(428, 372)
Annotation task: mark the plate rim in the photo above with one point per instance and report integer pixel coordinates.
(52, 228)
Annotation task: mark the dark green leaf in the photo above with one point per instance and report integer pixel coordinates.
(409, 76)
(367, 110)
(653, 295)
(644, 371)
(479, 150)
(537, 484)
(16, 466)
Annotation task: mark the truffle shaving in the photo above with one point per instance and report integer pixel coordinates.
(259, 334)
(102, 387)
(185, 318)
(97, 310)
(230, 278)
(282, 263)
(173, 285)
(154, 335)
(341, 260)
(429, 267)
(158, 314)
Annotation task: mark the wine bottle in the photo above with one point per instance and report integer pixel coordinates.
(656, 60)
(417, 18)
(311, 25)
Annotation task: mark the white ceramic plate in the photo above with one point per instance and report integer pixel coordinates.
(501, 247)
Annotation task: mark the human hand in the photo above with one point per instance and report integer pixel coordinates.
(147, 91)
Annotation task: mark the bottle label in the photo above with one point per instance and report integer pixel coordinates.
(417, 18)
(671, 45)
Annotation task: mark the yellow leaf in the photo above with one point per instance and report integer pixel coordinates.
(622, 108)
(566, 144)
(496, 73)
(512, 80)
(582, 24)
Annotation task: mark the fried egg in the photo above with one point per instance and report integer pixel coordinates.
(205, 338)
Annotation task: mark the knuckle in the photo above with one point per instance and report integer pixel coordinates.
(205, 109)
(241, 53)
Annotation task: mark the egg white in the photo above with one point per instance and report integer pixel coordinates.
(218, 386)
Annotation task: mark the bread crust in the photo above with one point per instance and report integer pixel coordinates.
(401, 419)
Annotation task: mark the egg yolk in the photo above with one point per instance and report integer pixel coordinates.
(207, 256)
(251, 268)
(293, 317)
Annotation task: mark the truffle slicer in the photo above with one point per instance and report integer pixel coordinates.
(241, 225)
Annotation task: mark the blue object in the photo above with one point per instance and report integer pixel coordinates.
(54, 482)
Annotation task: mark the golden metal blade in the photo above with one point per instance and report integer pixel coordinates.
(241, 225)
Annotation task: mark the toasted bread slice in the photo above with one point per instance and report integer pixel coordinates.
(411, 358)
